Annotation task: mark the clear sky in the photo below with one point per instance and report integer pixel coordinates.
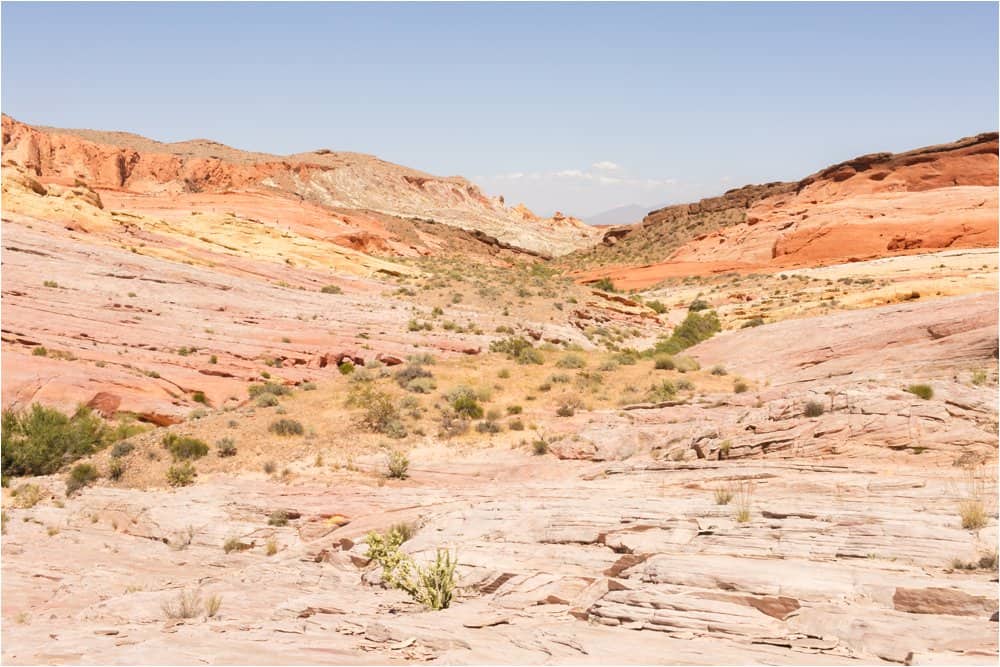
(577, 107)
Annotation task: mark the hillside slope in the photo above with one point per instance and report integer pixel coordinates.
(872, 206)
(122, 162)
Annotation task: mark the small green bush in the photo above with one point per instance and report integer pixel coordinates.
(924, 391)
(514, 409)
(116, 469)
(267, 400)
(519, 349)
(225, 447)
(273, 388)
(604, 284)
(664, 362)
(464, 402)
(397, 465)
(121, 449)
(331, 289)
(181, 474)
(40, 351)
(739, 387)
(661, 392)
(82, 475)
(381, 410)
(571, 361)
(813, 409)
(698, 305)
(540, 447)
(565, 410)
(278, 518)
(286, 427)
(199, 397)
(183, 447)
(658, 307)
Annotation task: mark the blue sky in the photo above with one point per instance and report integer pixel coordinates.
(577, 107)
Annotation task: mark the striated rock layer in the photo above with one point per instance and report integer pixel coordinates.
(877, 205)
(118, 161)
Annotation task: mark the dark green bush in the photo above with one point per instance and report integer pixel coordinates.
(41, 440)
(183, 447)
(694, 329)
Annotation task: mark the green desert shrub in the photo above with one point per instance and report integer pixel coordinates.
(184, 447)
(604, 284)
(273, 388)
(116, 469)
(181, 474)
(664, 362)
(416, 378)
(694, 329)
(464, 402)
(572, 361)
(286, 427)
(662, 391)
(519, 349)
(397, 465)
(657, 306)
(381, 412)
(331, 289)
(41, 440)
(813, 409)
(739, 387)
(267, 400)
(82, 475)
(699, 305)
(122, 449)
(432, 585)
(924, 391)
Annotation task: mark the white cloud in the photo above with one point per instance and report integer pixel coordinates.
(605, 165)
(571, 173)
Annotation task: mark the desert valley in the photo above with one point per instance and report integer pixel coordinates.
(323, 408)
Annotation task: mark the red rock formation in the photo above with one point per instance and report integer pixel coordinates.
(873, 206)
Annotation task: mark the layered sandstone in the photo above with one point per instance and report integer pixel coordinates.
(884, 204)
(124, 162)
